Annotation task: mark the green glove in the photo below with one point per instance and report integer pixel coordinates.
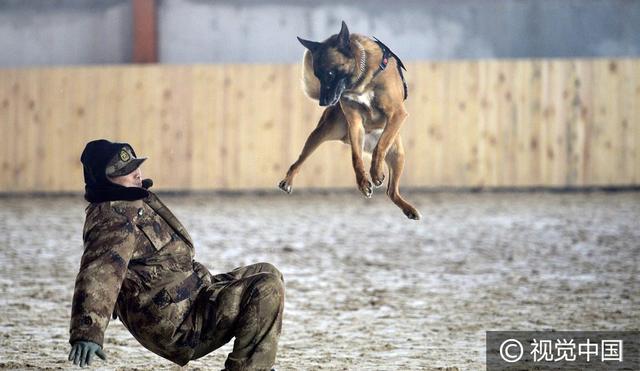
(82, 352)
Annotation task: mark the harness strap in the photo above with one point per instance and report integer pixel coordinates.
(386, 54)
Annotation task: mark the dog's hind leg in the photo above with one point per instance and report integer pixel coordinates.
(332, 126)
(395, 120)
(395, 162)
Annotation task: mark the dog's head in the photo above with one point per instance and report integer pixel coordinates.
(333, 65)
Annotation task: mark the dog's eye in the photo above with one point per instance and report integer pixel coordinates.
(331, 75)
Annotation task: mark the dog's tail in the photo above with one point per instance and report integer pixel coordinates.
(310, 83)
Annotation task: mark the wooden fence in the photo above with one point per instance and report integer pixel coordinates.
(472, 123)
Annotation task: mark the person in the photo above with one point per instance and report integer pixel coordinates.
(138, 266)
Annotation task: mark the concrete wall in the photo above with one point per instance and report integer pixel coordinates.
(38, 32)
(64, 32)
(264, 31)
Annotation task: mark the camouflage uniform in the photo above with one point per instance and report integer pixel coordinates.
(138, 265)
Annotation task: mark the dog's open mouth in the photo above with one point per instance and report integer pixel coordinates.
(334, 101)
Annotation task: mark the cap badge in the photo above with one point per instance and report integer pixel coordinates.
(124, 155)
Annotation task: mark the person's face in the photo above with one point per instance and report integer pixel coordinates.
(133, 179)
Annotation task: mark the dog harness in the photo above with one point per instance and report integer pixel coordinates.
(386, 54)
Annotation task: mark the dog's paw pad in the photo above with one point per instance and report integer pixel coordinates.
(378, 182)
(284, 186)
(412, 214)
(367, 189)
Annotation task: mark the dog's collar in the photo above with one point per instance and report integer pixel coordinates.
(386, 54)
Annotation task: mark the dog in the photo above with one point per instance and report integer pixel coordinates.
(360, 81)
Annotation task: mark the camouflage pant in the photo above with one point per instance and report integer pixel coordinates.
(247, 304)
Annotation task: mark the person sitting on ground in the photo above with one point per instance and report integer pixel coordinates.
(138, 266)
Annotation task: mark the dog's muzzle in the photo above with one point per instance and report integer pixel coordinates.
(329, 96)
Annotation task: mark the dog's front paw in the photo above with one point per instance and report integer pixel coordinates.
(364, 185)
(377, 176)
(285, 186)
(377, 180)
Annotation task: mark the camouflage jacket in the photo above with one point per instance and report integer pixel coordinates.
(138, 264)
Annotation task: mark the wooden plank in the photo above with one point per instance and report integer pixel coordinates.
(223, 149)
(81, 107)
(520, 123)
(500, 124)
(583, 115)
(626, 103)
(550, 107)
(198, 111)
(508, 124)
(528, 93)
(203, 164)
(450, 156)
(217, 136)
(22, 125)
(635, 117)
(603, 126)
(47, 90)
(572, 126)
(244, 149)
(55, 131)
(614, 126)
(545, 151)
(433, 78)
(461, 132)
(9, 107)
(253, 114)
(468, 108)
(150, 134)
(24, 159)
(485, 148)
(451, 169)
(176, 125)
(13, 154)
(258, 118)
(232, 134)
(498, 138)
(560, 127)
(129, 129)
(185, 146)
(414, 132)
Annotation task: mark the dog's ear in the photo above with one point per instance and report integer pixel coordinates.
(311, 45)
(343, 37)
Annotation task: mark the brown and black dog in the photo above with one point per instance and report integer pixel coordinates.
(361, 82)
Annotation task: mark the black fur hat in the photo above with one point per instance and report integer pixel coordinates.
(98, 188)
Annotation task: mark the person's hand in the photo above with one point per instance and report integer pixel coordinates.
(82, 352)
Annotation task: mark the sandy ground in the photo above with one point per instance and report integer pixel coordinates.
(366, 288)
